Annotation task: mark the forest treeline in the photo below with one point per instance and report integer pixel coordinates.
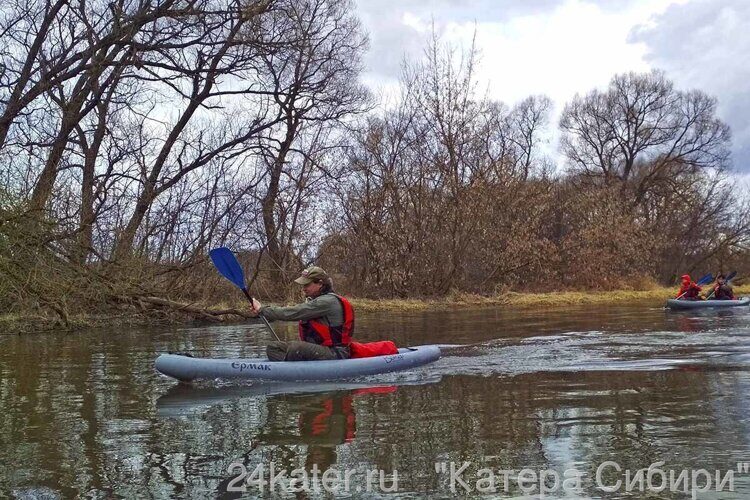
(135, 135)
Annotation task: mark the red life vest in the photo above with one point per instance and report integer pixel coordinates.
(325, 423)
(318, 332)
(689, 291)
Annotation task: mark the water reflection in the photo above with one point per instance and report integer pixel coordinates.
(323, 422)
(86, 415)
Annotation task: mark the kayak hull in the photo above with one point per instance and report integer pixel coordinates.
(187, 368)
(701, 304)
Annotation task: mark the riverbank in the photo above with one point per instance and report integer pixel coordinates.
(530, 300)
(11, 324)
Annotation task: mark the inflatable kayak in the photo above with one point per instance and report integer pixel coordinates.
(700, 304)
(187, 368)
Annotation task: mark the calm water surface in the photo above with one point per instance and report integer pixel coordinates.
(86, 415)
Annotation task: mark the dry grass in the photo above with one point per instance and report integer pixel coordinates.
(516, 299)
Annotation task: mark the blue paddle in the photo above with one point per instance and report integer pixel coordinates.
(729, 278)
(226, 263)
(705, 280)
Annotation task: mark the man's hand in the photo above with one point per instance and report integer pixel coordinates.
(255, 308)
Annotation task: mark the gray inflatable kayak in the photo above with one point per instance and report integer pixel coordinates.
(187, 368)
(700, 304)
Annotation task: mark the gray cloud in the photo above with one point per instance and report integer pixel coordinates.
(391, 40)
(705, 45)
(701, 44)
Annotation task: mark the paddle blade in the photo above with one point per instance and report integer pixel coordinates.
(731, 276)
(226, 263)
(705, 280)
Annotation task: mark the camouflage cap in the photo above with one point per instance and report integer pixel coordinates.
(311, 274)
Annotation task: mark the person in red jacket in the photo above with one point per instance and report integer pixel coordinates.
(688, 289)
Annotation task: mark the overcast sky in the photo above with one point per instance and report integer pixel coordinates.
(561, 47)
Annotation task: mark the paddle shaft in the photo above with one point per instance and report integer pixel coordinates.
(250, 298)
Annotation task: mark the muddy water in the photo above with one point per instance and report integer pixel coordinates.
(563, 394)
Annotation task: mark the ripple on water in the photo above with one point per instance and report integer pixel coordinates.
(599, 351)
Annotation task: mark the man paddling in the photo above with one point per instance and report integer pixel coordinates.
(723, 290)
(326, 321)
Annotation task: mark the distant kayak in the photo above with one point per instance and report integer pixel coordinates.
(187, 368)
(700, 304)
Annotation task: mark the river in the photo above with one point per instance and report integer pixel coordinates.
(563, 402)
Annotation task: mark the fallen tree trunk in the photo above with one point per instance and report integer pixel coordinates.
(215, 315)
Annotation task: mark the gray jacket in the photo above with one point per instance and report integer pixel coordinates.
(325, 308)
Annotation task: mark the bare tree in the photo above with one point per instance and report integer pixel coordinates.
(666, 152)
(526, 124)
(313, 61)
(49, 42)
(223, 49)
(642, 132)
(432, 202)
